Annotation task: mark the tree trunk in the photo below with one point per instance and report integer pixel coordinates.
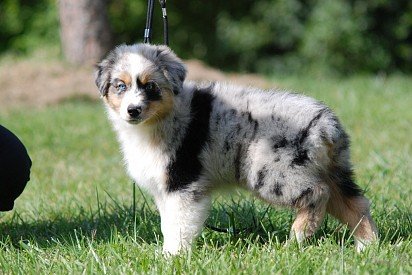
(84, 30)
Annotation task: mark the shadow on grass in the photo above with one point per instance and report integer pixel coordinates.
(229, 221)
(101, 225)
(249, 218)
(260, 222)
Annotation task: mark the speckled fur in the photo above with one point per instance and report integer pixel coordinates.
(286, 148)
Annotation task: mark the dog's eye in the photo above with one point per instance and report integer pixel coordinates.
(150, 87)
(121, 87)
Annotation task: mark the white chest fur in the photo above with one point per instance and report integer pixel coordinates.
(146, 162)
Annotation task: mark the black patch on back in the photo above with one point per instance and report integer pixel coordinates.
(186, 166)
(305, 132)
(279, 143)
(301, 154)
(261, 177)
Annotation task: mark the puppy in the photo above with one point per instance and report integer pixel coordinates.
(181, 141)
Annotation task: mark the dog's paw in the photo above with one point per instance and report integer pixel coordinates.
(172, 248)
(361, 245)
(297, 236)
(167, 252)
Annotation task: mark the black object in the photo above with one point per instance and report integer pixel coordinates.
(149, 20)
(165, 23)
(15, 167)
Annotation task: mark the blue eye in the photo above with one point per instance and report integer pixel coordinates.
(121, 87)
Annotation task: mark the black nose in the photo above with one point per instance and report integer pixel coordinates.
(134, 111)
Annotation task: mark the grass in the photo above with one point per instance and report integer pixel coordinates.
(76, 214)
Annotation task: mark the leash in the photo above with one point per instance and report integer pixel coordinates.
(149, 22)
(165, 23)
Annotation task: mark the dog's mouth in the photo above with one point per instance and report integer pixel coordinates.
(134, 120)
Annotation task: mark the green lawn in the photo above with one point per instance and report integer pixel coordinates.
(76, 214)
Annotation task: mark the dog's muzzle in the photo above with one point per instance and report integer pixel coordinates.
(134, 111)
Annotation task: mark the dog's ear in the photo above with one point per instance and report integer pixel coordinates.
(172, 66)
(103, 73)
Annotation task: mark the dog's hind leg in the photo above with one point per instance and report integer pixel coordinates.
(182, 214)
(311, 208)
(348, 205)
(354, 211)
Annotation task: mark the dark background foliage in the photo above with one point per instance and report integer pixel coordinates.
(265, 36)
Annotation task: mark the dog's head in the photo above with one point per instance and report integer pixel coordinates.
(139, 82)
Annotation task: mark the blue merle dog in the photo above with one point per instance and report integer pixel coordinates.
(181, 141)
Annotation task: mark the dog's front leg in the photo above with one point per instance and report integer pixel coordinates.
(182, 217)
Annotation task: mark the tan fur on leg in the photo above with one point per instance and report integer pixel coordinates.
(355, 213)
(310, 214)
(307, 222)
